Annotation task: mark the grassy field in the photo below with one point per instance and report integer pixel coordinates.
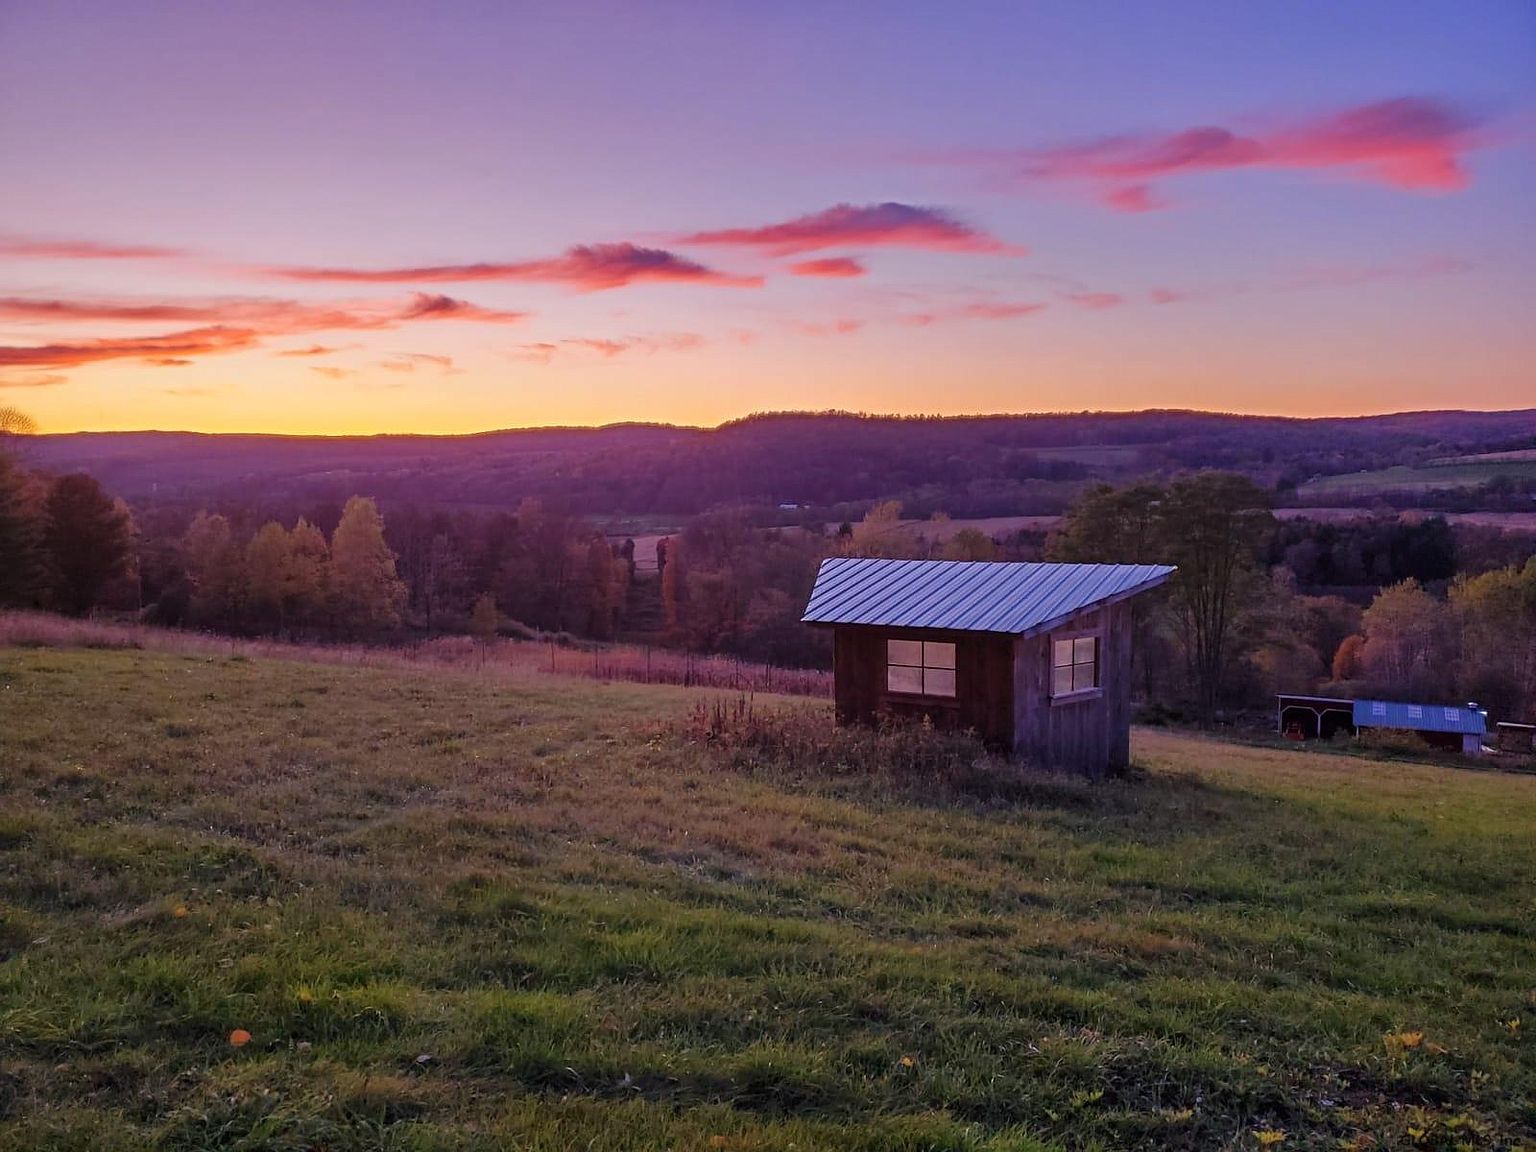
(1451, 472)
(453, 911)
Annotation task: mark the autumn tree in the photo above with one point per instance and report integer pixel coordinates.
(1211, 525)
(1408, 641)
(308, 585)
(269, 576)
(1495, 616)
(365, 590)
(970, 544)
(669, 555)
(215, 566)
(86, 541)
(1348, 663)
(1112, 525)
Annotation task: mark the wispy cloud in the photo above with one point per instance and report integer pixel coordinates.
(332, 373)
(1408, 143)
(273, 316)
(978, 310)
(844, 327)
(544, 352)
(40, 380)
(888, 225)
(426, 306)
(28, 248)
(312, 350)
(1343, 275)
(587, 268)
(832, 267)
(175, 345)
(1094, 301)
(408, 362)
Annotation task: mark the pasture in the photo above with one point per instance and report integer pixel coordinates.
(247, 903)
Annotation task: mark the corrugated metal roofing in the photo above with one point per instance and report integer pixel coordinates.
(1420, 717)
(968, 595)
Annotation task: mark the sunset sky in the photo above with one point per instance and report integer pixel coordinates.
(387, 217)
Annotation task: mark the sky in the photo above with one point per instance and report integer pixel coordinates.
(452, 217)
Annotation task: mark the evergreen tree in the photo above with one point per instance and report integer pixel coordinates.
(21, 532)
(86, 541)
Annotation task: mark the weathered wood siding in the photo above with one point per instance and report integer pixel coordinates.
(983, 681)
(1003, 691)
(1090, 733)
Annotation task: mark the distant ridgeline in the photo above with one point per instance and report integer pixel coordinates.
(965, 466)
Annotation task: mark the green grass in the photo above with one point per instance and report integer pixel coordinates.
(1453, 472)
(455, 913)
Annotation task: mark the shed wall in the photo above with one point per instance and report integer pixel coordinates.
(983, 681)
(1090, 733)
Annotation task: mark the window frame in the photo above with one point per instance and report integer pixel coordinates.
(923, 669)
(1072, 637)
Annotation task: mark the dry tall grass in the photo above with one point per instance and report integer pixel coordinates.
(507, 658)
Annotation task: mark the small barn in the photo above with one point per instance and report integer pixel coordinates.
(1458, 728)
(1035, 658)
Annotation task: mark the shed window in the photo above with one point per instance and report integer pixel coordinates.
(920, 667)
(1415, 712)
(1074, 665)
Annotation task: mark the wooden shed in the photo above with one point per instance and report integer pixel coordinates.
(1035, 658)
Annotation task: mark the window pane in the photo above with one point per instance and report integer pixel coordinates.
(939, 681)
(908, 652)
(1084, 649)
(900, 678)
(1061, 680)
(1061, 653)
(1082, 677)
(938, 655)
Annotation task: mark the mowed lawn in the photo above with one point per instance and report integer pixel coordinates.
(456, 914)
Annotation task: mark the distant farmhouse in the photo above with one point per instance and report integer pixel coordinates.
(1035, 658)
(1459, 728)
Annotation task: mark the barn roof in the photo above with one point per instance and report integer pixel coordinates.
(1420, 717)
(969, 595)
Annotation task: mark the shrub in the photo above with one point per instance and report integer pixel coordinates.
(909, 756)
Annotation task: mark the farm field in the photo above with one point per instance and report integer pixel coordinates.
(1452, 472)
(442, 910)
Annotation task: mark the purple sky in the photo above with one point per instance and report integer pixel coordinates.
(298, 217)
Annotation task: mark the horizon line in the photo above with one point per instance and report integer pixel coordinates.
(791, 413)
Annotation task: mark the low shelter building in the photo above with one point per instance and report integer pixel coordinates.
(1035, 658)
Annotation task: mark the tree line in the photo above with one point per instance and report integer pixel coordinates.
(1374, 607)
(1234, 626)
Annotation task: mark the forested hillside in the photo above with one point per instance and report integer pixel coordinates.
(965, 466)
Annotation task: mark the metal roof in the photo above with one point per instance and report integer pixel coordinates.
(969, 595)
(1420, 717)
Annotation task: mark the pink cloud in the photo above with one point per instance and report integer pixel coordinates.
(1094, 301)
(979, 310)
(29, 249)
(1409, 144)
(888, 225)
(1334, 276)
(42, 380)
(332, 373)
(1003, 311)
(435, 307)
(835, 267)
(587, 268)
(176, 345)
(607, 349)
(832, 328)
(312, 350)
